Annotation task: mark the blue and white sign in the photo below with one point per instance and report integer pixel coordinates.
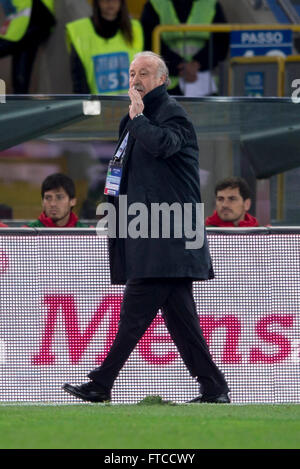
(111, 72)
(254, 84)
(261, 42)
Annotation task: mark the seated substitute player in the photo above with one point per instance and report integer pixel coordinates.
(58, 200)
(233, 200)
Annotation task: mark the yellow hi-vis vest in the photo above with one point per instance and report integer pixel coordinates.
(49, 4)
(16, 24)
(185, 44)
(106, 61)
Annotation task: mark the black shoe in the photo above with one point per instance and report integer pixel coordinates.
(217, 399)
(88, 392)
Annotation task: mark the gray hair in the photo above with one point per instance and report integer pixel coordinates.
(162, 68)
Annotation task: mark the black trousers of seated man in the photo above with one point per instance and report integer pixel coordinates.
(141, 302)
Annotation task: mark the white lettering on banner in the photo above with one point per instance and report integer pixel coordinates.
(265, 38)
(124, 79)
(113, 81)
(296, 92)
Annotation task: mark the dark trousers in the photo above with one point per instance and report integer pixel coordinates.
(142, 299)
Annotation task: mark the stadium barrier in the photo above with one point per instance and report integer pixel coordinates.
(216, 28)
(59, 315)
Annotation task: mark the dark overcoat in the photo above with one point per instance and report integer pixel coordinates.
(160, 165)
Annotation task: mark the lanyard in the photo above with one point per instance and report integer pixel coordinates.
(114, 173)
(119, 154)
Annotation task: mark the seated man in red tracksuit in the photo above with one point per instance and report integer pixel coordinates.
(233, 200)
(58, 200)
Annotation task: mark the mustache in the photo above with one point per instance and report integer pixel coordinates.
(138, 87)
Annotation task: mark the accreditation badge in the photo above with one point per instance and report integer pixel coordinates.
(113, 178)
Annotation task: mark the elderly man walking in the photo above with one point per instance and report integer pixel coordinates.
(158, 154)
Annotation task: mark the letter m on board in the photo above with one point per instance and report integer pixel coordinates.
(77, 341)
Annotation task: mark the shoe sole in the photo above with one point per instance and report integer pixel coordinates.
(212, 400)
(221, 401)
(74, 392)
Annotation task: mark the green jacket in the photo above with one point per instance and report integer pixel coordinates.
(39, 224)
(46, 222)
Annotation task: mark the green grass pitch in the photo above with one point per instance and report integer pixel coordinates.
(193, 426)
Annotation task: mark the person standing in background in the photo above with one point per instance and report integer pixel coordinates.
(187, 54)
(101, 48)
(27, 25)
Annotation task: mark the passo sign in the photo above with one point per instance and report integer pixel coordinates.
(261, 42)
